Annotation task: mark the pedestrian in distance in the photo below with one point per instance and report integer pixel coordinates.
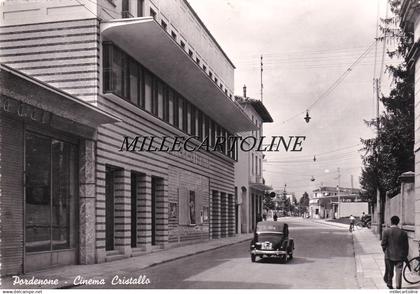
(352, 219)
(395, 246)
(275, 217)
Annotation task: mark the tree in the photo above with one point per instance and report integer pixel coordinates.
(304, 203)
(268, 202)
(390, 153)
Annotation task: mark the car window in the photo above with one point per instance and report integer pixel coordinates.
(270, 228)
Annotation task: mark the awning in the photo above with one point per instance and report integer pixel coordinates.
(146, 41)
(32, 92)
(260, 186)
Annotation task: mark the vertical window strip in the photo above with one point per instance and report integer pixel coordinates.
(125, 77)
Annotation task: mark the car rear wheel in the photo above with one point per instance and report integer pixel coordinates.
(253, 257)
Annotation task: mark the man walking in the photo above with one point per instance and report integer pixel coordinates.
(395, 246)
(352, 219)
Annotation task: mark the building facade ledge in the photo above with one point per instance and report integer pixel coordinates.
(165, 58)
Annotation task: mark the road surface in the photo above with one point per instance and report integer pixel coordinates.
(323, 258)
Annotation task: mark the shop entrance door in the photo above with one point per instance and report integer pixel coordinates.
(51, 201)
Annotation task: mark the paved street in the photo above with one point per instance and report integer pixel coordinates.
(324, 258)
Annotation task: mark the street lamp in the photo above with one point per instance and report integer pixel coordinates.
(307, 118)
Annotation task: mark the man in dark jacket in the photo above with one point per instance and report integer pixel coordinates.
(395, 246)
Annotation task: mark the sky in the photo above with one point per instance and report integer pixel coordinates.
(307, 45)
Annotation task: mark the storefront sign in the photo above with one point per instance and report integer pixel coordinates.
(24, 110)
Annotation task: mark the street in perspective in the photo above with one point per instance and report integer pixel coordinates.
(209, 144)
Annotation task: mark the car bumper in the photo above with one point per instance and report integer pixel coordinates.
(268, 252)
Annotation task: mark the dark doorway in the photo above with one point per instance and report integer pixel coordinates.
(154, 182)
(133, 210)
(109, 209)
(236, 218)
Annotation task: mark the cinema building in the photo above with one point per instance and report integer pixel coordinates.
(137, 68)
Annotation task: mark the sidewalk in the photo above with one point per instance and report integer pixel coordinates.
(67, 274)
(369, 257)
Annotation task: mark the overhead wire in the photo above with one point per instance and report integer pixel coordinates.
(335, 84)
(330, 152)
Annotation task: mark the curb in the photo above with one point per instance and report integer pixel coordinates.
(358, 264)
(330, 224)
(193, 253)
(171, 259)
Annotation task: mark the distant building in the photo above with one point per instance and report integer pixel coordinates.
(249, 181)
(327, 202)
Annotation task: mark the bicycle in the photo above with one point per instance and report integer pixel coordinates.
(361, 224)
(411, 272)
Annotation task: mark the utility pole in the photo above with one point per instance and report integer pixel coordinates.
(379, 203)
(262, 64)
(338, 176)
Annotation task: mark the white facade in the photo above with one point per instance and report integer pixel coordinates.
(249, 180)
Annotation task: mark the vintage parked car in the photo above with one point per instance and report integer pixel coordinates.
(271, 239)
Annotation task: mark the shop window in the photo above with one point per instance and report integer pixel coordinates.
(192, 208)
(51, 194)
